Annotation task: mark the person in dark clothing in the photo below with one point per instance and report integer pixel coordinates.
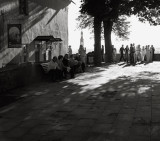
(72, 64)
(132, 51)
(79, 65)
(66, 65)
(122, 53)
(127, 53)
(61, 67)
(66, 60)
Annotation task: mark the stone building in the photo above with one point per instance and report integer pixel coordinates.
(32, 30)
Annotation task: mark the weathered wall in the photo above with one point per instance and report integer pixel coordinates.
(40, 21)
(20, 76)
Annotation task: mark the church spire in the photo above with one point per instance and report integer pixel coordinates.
(82, 40)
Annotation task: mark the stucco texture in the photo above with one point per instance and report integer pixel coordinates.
(40, 21)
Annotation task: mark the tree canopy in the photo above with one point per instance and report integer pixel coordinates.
(146, 10)
(113, 13)
(117, 10)
(120, 26)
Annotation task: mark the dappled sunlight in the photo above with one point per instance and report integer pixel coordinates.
(106, 97)
(142, 90)
(130, 81)
(101, 76)
(64, 86)
(66, 100)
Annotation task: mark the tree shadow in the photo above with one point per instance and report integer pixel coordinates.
(67, 105)
(36, 14)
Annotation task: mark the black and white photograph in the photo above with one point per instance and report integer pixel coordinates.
(14, 35)
(79, 70)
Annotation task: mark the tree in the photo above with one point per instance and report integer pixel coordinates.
(88, 7)
(111, 11)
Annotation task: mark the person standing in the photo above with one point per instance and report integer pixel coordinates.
(66, 65)
(148, 54)
(143, 53)
(131, 54)
(114, 55)
(72, 64)
(138, 53)
(102, 53)
(134, 54)
(69, 50)
(122, 53)
(153, 50)
(127, 53)
(61, 67)
(53, 69)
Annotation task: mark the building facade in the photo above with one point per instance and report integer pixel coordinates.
(22, 22)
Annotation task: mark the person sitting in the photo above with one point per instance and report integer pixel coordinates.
(53, 68)
(66, 65)
(79, 65)
(72, 64)
(61, 67)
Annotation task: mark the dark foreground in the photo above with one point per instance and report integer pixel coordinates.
(111, 103)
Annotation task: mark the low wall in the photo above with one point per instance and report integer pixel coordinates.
(19, 76)
(156, 57)
(27, 74)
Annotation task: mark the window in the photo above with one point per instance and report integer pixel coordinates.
(23, 7)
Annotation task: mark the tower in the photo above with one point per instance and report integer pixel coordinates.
(82, 50)
(81, 39)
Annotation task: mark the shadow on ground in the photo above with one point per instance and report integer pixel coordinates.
(113, 110)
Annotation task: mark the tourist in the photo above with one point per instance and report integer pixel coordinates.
(148, 53)
(53, 66)
(132, 51)
(134, 54)
(66, 65)
(152, 52)
(69, 50)
(61, 67)
(122, 53)
(127, 54)
(138, 53)
(114, 54)
(72, 64)
(143, 54)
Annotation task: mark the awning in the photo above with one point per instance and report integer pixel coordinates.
(47, 38)
(54, 4)
(58, 39)
(44, 38)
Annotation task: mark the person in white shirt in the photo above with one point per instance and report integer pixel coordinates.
(143, 53)
(53, 69)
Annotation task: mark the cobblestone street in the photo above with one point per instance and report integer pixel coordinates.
(108, 103)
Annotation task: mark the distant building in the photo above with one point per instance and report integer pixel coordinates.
(82, 50)
(69, 50)
(81, 39)
(32, 30)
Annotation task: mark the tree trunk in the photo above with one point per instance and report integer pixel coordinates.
(108, 43)
(97, 39)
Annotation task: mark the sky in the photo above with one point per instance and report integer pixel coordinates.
(140, 33)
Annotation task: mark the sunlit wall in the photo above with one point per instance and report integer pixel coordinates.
(40, 20)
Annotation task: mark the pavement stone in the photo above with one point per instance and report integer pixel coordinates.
(113, 103)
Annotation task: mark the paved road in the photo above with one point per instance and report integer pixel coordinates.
(110, 103)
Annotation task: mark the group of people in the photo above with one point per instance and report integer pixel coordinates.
(136, 54)
(59, 67)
